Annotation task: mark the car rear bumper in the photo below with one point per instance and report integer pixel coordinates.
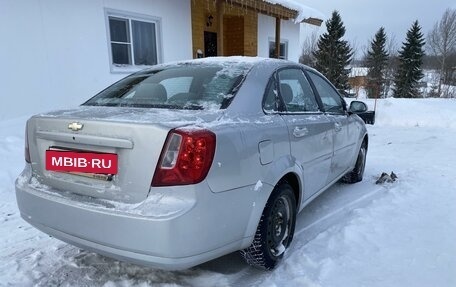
(209, 227)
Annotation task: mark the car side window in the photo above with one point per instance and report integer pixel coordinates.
(332, 102)
(271, 103)
(296, 91)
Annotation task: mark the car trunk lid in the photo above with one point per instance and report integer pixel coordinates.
(136, 136)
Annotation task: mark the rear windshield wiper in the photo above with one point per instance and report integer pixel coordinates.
(193, 107)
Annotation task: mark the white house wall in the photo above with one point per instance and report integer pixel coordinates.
(54, 53)
(289, 32)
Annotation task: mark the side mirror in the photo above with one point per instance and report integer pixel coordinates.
(357, 107)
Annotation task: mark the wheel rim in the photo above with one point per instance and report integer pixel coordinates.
(361, 160)
(279, 226)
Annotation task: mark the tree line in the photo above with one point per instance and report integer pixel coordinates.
(390, 71)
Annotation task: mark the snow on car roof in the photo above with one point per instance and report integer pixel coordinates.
(233, 59)
(304, 11)
(220, 60)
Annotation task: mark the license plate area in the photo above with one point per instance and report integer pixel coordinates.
(96, 165)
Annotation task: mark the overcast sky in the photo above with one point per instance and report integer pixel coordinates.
(363, 18)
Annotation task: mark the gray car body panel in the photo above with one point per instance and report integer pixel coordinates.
(182, 226)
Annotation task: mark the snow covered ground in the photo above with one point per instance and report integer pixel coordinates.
(396, 234)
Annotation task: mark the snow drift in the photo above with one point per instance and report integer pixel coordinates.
(395, 234)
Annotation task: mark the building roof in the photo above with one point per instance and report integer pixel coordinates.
(358, 72)
(283, 9)
(304, 12)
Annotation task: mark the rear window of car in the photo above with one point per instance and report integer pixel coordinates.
(185, 86)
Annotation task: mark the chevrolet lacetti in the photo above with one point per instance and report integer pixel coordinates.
(182, 163)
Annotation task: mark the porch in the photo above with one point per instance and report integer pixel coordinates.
(228, 28)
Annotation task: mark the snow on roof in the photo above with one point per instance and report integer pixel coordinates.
(358, 72)
(304, 12)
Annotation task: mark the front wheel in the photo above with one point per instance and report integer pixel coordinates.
(275, 230)
(356, 175)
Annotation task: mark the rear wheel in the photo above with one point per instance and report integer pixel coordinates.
(275, 230)
(356, 175)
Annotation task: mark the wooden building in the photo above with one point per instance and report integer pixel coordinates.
(230, 28)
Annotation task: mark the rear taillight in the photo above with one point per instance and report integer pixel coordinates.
(26, 147)
(186, 157)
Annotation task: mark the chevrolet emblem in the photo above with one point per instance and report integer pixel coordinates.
(75, 126)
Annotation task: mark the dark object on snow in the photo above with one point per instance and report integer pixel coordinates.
(393, 176)
(360, 108)
(386, 178)
(368, 117)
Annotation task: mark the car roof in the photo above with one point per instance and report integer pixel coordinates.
(230, 61)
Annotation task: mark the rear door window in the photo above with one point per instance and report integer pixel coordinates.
(296, 92)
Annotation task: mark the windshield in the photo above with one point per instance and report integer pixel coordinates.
(186, 86)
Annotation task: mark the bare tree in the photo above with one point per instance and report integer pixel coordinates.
(391, 66)
(442, 41)
(358, 53)
(309, 46)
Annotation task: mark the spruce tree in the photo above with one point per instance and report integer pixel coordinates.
(409, 72)
(333, 54)
(376, 62)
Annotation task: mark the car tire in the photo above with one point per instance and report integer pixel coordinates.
(356, 175)
(275, 230)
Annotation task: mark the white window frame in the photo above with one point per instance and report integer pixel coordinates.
(129, 16)
(282, 41)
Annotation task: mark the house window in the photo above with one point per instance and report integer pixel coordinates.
(283, 49)
(133, 40)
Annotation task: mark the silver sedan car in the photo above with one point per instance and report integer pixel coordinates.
(185, 162)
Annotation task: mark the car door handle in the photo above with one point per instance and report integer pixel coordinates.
(300, 132)
(337, 127)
